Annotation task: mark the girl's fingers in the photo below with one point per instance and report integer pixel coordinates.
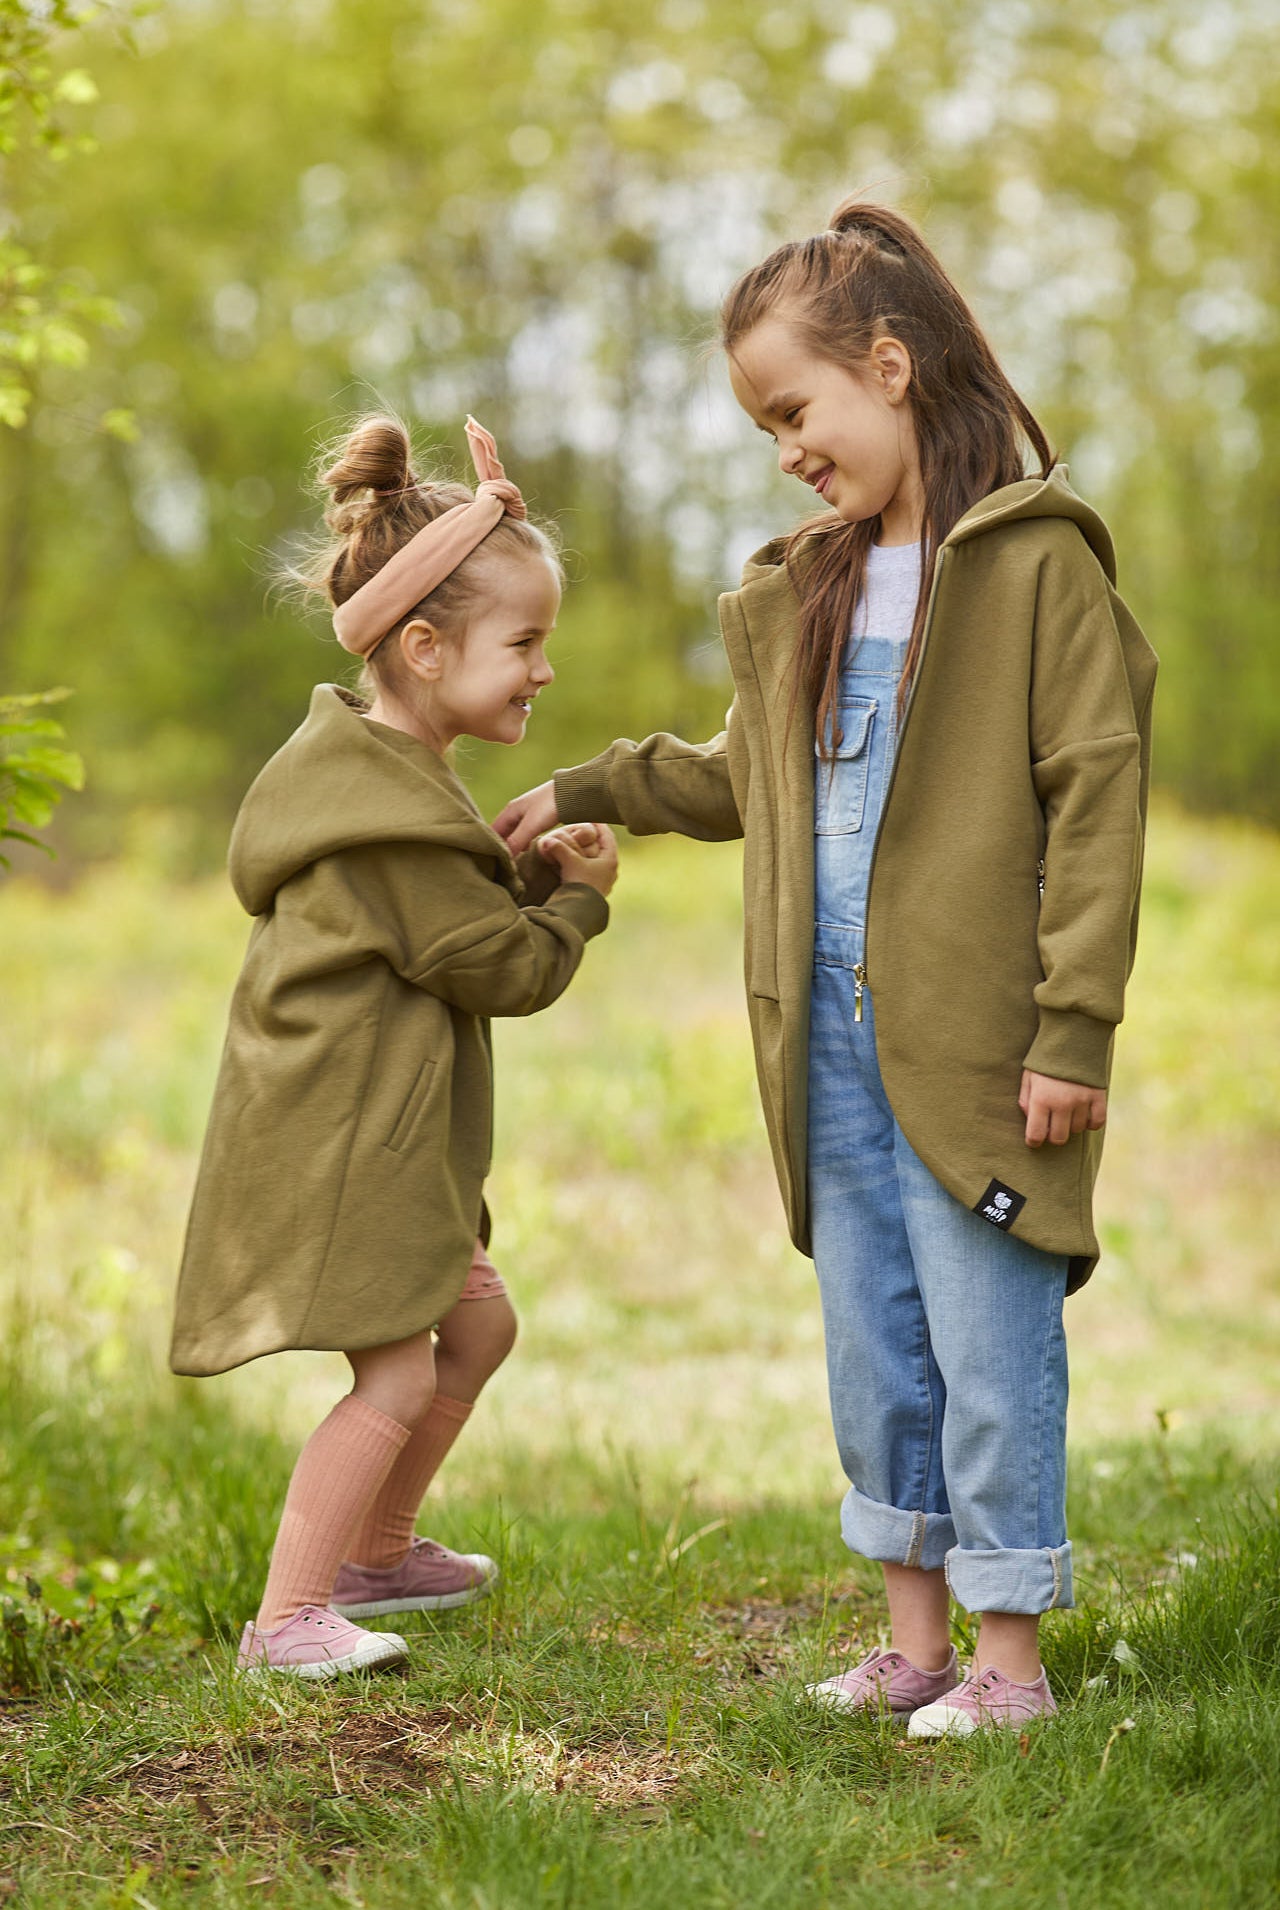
(579, 838)
(1057, 1110)
(527, 816)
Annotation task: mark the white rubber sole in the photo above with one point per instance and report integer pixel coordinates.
(379, 1650)
(841, 1701)
(940, 1721)
(441, 1602)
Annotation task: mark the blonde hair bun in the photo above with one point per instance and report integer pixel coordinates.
(375, 456)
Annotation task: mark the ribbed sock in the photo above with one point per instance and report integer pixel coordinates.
(340, 1470)
(385, 1533)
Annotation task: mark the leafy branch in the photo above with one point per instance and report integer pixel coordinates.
(44, 316)
(34, 768)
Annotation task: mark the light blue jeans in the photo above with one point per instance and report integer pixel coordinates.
(945, 1351)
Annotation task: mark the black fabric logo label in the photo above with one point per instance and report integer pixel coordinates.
(1000, 1204)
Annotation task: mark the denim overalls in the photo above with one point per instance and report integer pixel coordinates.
(945, 1351)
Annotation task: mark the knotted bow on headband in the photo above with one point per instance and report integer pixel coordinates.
(431, 553)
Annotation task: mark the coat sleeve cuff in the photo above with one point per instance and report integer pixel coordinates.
(582, 794)
(582, 905)
(540, 878)
(1071, 1046)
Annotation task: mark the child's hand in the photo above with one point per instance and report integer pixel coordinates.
(583, 852)
(1056, 1110)
(527, 816)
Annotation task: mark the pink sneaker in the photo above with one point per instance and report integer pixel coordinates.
(430, 1578)
(985, 1698)
(315, 1643)
(886, 1681)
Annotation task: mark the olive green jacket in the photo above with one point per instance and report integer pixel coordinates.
(1003, 906)
(340, 1190)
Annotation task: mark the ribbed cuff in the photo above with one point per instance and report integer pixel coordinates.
(1071, 1046)
(582, 905)
(582, 794)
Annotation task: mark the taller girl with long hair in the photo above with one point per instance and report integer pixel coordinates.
(938, 756)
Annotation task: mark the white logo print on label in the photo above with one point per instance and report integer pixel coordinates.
(1000, 1205)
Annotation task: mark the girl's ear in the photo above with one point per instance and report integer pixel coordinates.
(891, 367)
(421, 649)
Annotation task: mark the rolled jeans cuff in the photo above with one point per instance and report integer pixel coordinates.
(1011, 1581)
(893, 1537)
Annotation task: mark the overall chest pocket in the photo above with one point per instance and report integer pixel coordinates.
(840, 783)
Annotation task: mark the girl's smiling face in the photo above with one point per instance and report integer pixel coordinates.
(489, 676)
(479, 681)
(849, 434)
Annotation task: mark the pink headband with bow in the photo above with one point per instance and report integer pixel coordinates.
(431, 553)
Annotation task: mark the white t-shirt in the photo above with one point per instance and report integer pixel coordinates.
(887, 606)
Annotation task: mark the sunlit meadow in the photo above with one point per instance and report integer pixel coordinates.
(664, 1311)
(654, 1471)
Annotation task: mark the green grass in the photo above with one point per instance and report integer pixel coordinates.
(619, 1725)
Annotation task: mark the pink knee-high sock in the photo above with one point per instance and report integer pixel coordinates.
(385, 1533)
(339, 1471)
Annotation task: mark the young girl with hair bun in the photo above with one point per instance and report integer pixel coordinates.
(938, 756)
(340, 1202)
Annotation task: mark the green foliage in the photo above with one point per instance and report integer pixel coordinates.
(532, 213)
(72, 1637)
(44, 315)
(34, 770)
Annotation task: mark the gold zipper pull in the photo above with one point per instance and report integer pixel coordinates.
(859, 983)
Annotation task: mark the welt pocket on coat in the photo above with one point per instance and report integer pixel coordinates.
(412, 1108)
(840, 780)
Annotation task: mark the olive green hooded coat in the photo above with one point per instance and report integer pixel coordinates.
(340, 1190)
(1023, 760)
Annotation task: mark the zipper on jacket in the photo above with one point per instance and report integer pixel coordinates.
(860, 973)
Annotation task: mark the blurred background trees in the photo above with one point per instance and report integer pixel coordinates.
(531, 211)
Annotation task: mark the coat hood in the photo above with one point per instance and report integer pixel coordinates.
(1050, 496)
(340, 781)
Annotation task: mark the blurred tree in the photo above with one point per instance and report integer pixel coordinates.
(531, 212)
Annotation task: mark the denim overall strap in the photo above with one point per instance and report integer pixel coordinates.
(945, 1351)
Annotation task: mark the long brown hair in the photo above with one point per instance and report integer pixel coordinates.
(870, 276)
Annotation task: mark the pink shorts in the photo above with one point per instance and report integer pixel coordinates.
(484, 1282)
